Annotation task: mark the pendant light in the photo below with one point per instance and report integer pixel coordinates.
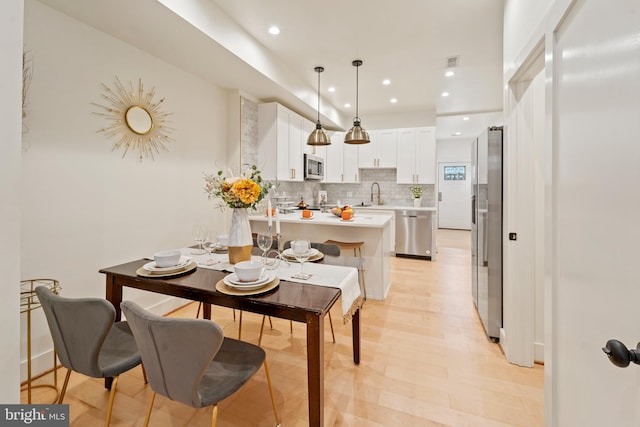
(356, 135)
(318, 136)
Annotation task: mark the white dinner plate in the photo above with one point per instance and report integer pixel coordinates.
(232, 281)
(153, 268)
(289, 252)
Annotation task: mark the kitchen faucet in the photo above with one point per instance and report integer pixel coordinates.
(379, 201)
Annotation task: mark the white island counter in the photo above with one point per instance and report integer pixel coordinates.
(372, 229)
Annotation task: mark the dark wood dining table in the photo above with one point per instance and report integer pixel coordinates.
(299, 302)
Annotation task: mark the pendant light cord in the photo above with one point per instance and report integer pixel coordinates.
(357, 90)
(319, 96)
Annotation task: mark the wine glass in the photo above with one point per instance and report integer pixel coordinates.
(301, 250)
(264, 242)
(200, 236)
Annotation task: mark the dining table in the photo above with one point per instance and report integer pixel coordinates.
(292, 300)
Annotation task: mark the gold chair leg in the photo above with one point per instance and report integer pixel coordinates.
(270, 323)
(64, 386)
(331, 324)
(291, 326)
(144, 374)
(148, 417)
(214, 416)
(273, 396)
(261, 330)
(112, 397)
(240, 327)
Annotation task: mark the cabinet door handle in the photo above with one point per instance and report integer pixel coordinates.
(342, 177)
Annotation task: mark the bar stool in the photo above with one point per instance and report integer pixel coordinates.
(28, 302)
(348, 245)
(354, 246)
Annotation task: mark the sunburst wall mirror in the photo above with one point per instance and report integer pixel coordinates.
(135, 119)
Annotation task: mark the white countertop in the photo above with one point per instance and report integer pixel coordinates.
(359, 220)
(392, 208)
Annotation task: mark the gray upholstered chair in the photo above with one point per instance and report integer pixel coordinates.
(87, 340)
(190, 360)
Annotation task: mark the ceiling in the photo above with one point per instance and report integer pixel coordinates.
(405, 41)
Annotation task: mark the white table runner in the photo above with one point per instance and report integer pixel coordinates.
(333, 276)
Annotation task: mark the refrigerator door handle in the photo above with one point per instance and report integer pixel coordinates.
(473, 209)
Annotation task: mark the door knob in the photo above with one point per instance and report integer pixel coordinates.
(620, 355)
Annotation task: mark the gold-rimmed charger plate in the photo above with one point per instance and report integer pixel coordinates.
(187, 269)
(316, 257)
(221, 287)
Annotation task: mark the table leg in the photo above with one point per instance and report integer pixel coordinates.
(355, 332)
(206, 311)
(114, 295)
(315, 369)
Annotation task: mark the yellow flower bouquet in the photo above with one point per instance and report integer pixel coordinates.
(244, 191)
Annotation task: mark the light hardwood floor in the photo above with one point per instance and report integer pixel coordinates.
(425, 362)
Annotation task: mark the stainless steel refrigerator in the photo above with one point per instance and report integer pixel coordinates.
(486, 229)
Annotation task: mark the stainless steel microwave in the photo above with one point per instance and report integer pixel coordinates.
(313, 167)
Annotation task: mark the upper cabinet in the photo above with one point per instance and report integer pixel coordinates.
(381, 151)
(281, 138)
(416, 156)
(341, 161)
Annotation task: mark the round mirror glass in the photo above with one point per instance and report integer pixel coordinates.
(139, 120)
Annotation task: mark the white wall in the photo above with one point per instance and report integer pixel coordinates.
(406, 119)
(10, 132)
(522, 21)
(84, 207)
(453, 150)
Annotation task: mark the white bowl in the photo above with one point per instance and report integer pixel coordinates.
(167, 258)
(249, 271)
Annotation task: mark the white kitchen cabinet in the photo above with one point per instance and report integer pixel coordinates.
(281, 135)
(341, 161)
(416, 156)
(381, 151)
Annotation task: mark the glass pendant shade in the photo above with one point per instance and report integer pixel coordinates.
(357, 135)
(318, 136)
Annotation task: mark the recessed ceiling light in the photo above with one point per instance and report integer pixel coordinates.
(393, 100)
(274, 30)
(457, 134)
(465, 118)
(445, 94)
(347, 105)
(386, 82)
(331, 89)
(449, 74)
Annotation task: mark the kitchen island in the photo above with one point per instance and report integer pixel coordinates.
(372, 229)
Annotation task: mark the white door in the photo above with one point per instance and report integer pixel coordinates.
(594, 227)
(454, 186)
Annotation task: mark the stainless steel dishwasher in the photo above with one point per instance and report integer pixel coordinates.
(413, 233)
